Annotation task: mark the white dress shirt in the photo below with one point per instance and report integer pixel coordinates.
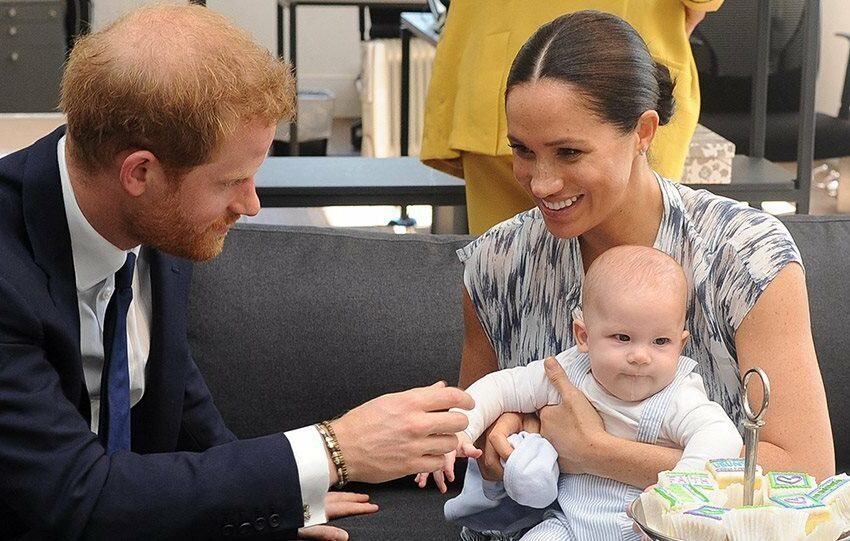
(96, 261)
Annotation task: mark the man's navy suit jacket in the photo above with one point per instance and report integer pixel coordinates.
(187, 476)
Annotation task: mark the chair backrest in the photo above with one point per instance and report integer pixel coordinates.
(724, 47)
(292, 325)
(821, 240)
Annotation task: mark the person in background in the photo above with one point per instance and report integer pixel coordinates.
(583, 100)
(171, 110)
(465, 130)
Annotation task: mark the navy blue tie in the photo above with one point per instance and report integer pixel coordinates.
(114, 422)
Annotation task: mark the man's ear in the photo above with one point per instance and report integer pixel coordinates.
(647, 125)
(138, 169)
(580, 334)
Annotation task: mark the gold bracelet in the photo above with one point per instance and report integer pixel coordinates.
(327, 432)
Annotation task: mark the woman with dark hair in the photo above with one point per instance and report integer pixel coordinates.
(584, 99)
(464, 131)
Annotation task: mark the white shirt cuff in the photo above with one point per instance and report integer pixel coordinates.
(308, 448)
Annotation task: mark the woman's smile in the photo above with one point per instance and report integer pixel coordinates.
(560, 204)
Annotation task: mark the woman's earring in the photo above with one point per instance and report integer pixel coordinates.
(642, 152)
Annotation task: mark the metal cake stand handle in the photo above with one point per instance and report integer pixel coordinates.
(752, 425)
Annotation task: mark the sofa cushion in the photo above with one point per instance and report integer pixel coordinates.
(293, 325)
(824, 242)
(407, 513)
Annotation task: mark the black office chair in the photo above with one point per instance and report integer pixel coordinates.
(77, 20)
(723, 44)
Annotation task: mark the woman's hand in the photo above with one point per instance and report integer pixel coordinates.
(338, 505)
(495, 446)
(692, 19)
(573, 427)
(494, 442)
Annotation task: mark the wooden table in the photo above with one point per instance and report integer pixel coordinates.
(332, 181)
(355, 180)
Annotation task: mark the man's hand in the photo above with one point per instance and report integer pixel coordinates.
(402, 433)
(348, 504)
(323, 532)
(338, 505)
(573, 427)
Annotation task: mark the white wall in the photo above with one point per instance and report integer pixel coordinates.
(105, 11)
(328, 41)
(328, 44)
(329, 51)
(835, 17)
(256, 16)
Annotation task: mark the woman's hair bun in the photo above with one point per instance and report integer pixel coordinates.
(666, 103)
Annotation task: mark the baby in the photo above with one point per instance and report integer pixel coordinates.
(627, 361)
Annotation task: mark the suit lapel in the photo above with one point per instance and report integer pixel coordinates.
(156, 419)
(47, 228)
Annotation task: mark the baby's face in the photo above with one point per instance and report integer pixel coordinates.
(634, 341)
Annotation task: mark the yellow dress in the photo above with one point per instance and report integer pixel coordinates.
(465, 132)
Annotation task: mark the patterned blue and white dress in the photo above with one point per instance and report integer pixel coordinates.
(526, 283)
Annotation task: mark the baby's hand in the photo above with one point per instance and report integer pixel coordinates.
(465, 448)
(440, 476)
(468, 449)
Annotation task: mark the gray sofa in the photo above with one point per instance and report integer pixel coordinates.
(293, 325)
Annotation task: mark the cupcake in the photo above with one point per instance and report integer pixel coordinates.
(827, 531)
(700, 480)
(758, 523)
(703, 523)
(659, 502)
(835, 493)
(729, 475)
(815, 511)
(787, 483)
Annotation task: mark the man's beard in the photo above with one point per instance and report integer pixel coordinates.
(165, 228)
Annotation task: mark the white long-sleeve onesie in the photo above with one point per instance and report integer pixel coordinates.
(691, 422)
